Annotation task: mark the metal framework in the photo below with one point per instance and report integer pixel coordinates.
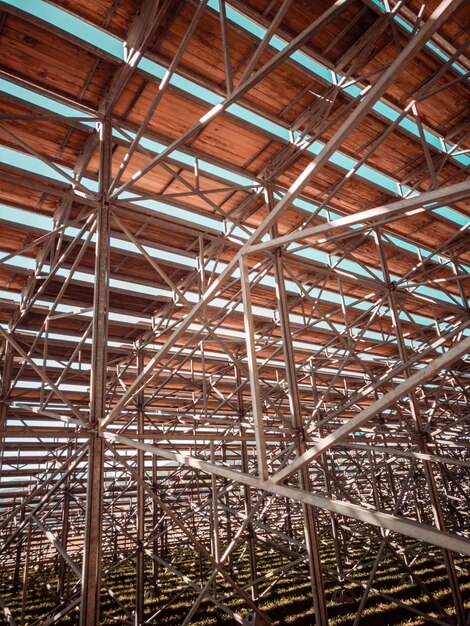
(234, 315)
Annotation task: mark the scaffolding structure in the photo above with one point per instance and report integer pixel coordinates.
(234, 308)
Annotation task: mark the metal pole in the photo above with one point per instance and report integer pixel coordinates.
(5, 391)
(309, 514)
(215, 516)
(91, 571)
(247, 503)
(156, 515)
(62, 573)
(24, 599)
(18, 551)
(253, 370)
(140, 565)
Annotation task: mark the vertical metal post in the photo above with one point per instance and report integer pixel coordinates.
(27, 560)
(309, 515)
(228, 521)
(18, 551)
(330, 472)
(253, 370)
(91, 571)
(62, 573)
(140, 565)
(246, 489)
(156, 514)
(5, 392)
(215, 515)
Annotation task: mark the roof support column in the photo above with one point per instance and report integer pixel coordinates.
(5, 386)
(157, 526)
(309, 512)
(247, 501)
(63, 573)
(91, 571)
(140, 555)
(253, 370)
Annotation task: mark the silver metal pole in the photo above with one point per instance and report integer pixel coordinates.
(309, 513)
(92, 553)
(140, 556)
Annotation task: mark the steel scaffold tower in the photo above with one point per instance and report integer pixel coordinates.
(234, 320)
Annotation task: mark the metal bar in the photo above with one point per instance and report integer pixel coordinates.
(253, 371)
(140, 522)
(265, 41)
(226, 49)
(309, 514)
(91, 570)
(426, 201)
